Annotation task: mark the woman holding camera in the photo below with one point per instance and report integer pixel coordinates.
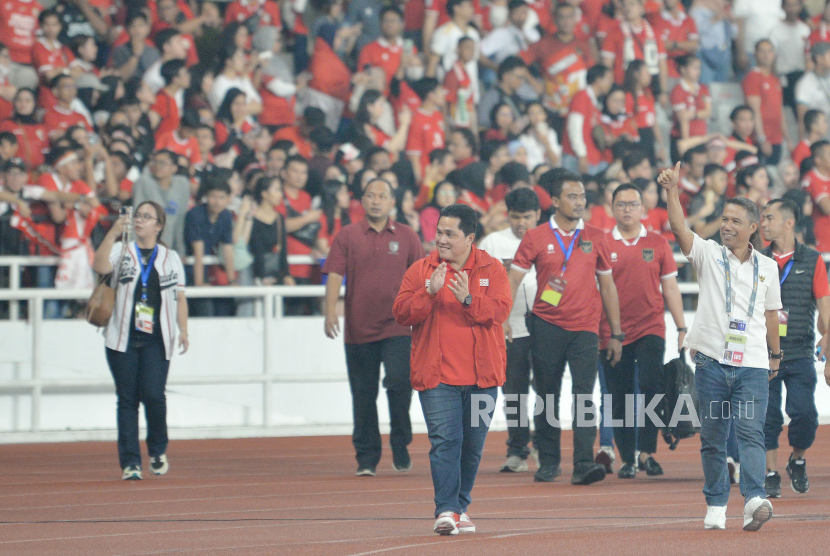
(140, 336)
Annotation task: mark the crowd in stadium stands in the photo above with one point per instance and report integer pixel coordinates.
(257, 123)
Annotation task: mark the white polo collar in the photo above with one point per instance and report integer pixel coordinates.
(579, 226)
(615, 233)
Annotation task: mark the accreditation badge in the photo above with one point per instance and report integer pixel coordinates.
(553, 291)
(783, 319)
(734, 347)
(143, 318)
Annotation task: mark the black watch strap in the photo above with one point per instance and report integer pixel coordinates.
(468, 300)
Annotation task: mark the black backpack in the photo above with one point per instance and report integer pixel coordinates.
(680, 381)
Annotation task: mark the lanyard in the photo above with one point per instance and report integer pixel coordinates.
(728, 273)
(145, 270)
(567, 252)
(786, 273)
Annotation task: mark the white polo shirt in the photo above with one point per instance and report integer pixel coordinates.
(711, 322)
(503, 246)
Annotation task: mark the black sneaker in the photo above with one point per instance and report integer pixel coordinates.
(365, 471)
(772, 484)
(587, 473)
(159, 465)
(651, 466)
(797, 471)
(547, 473)
(401, 462)
(627, 471)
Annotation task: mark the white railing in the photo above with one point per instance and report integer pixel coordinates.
(270, 296)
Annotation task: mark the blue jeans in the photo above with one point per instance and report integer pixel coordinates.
(729, 394)
(799, 376)
(45, 277)
(457, 436)
(715, 65)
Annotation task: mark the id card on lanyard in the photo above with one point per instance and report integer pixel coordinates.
(784, 314)
(143, 312)
(555, 288)
(734, 346)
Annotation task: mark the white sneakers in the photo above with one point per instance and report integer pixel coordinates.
(715, 518)
(757, 512)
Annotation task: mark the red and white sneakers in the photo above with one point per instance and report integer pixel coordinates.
(446, 523)
(465, 525)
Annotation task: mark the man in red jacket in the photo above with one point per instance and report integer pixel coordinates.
(456, 300)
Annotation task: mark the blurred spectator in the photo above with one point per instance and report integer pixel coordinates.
(509, 39)
(18, 26)
(446, 194)
(208, 231)
(463, 147)
(232, 75)
(50, 57)
(137, 54)
(512, 74)
(764, 95)
(678, 32)
(166, 111)
(302, 222)
(815, 124)
(581, 153)
(7, 89)
(267, 242)
(789, 37)
(443, 46)
(616, 126)
(817, 184)
(691, 104)
(602, 215)
(63, 114)
(460, 88)
(31, 136)
(427, 130)
(232, 121)
(707, 206)
(813, 89)
(170, 45)
(539, 139)
(254, 14)
(755, 19)
(160, 183)
(716, 34)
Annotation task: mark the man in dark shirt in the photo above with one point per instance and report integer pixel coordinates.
(373, 255)
(706, 207)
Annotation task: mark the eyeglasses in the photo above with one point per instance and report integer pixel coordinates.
(633, 205)
(144, 216)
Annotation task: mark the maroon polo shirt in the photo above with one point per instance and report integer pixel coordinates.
(373, 264)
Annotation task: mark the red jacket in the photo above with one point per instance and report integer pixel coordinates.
(490, 308)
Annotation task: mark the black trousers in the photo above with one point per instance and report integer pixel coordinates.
(646, 356)
(553, 347)
(517, 382)
(140, 375)
(363, 362)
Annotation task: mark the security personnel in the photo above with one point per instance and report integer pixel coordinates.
(804, 287)
(570, 258)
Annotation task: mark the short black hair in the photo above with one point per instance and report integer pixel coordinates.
(133, 15)
(438, 155)
(451, 5)
(391, 8)
(190, 120)
(8, 137)
(738, 109)
(170, 70)
(685, 60)
(633, 158)
(489, 148)
(216, 180)
(522, 199)
(323, 138)
(77, 42)
(513, 4)
(314, 116)
(555, 180)
(424, 86)
(811, 117)
(56, 81)
(51, 12)
(468, 135)
(817, 147)
(513, 172)
(596, 73)
(749, 206)
(713, 168)
(174, 158)
(467, 217)
(164, 36)
(691, 153)
(627, 187)
(262, 185)
(509, 64)
(787, 207)
(295, 158)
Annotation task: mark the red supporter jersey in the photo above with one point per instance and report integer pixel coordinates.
(768, 88)
(382, 54)
(565, 67)
(617, 127)
(580, 306)
(406, 97)
(646, 115)
(6, 107)
(821, 33)
(276, 110)
(639, 267)
(801, 151)
(293, 135)
(47, 57)
(668, 28)
(440, 6)
(657, 222)
(684, 97)
(18, 23)
(268, 12)
(32, 140)
(605, 25)
(818, 186)
(188, 148)
(426, 133)
(585, 104)
(59, 118)
(460, 90)
(73, 226)
(638, 44)
(413, 15)
(166, 107)
(600, 219)
(296, 247)
(543, 9)
(821, 288)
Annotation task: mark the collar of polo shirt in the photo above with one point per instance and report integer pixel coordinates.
(615, 233)
(579, 226)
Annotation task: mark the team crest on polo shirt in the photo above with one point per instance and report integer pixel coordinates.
(393, 247)
(648, 255)
(586, 246)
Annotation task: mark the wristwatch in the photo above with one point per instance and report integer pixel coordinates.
(779, 355)
(468, 300)
(619, 337)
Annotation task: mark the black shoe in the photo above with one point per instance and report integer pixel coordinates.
(547, 473)
(772, 484)
(366, 471)
(797, 471)
(587, 473)
(401, 461)
(627, 471)
(651, 466)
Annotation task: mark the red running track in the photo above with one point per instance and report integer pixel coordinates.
(299, 496)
